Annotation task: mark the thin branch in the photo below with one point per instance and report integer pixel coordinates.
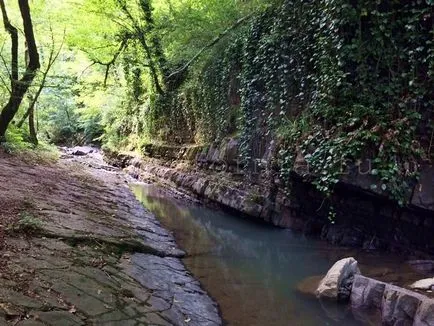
(51, 60)
(86, 69)
(4, 62)
(6, 84)
(13, 32)
(208, 46)
(108, 64)
(19, 88)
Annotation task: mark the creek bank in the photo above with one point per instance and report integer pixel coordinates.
(364, 218)
(79, 249)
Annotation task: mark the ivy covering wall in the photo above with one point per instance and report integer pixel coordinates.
(334, 81)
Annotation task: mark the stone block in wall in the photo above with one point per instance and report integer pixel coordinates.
(425, 314)
(202, 155)
(200, 185)
(232, 151)
(216, 155)
(191, 153)
(423, 195)
(399, 306)
(366, 293)
(251, 208)
(210, 154)
(366, 299)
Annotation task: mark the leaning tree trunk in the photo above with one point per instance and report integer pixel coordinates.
(32, 129)
(19, 87)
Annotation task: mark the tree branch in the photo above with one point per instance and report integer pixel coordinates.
(51, 60)
(208, 46)
(142, 39)
(13, 32)
(108, 64)
(19, 88)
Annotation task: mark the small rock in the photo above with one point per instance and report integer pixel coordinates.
(425, 284)
(337, 283)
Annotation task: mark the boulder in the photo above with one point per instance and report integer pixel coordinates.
(81, 150)
(337, 283)
(425, 284)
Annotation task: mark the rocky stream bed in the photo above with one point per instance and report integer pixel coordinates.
(77, 248)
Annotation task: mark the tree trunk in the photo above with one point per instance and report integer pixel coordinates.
(32, 129)
(19, 87)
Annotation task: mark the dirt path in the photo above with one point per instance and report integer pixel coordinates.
(76, 248)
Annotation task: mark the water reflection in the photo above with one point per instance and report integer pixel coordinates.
(252, 270)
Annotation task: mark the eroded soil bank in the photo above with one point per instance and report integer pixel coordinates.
(78, 249)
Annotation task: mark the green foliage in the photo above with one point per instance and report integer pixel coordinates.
(27, 223)
(15, 141)
(335, 81)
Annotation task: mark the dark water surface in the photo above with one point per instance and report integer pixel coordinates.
(252, 270)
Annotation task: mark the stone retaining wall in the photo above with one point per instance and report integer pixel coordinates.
(378, 303)
(363, 218)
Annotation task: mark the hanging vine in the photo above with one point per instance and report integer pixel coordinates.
(335, 82)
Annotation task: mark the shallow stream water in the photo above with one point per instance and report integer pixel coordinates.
(253, 270)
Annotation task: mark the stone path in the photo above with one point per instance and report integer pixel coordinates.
(79, 249)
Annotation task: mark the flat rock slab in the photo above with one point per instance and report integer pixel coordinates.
(97, 257)
(173, 289)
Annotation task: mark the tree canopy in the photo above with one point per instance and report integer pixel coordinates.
(330, 79)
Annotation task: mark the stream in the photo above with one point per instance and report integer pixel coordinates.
(252, 270)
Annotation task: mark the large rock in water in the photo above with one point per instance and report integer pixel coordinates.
(425, 284)
(81, 150)
(337, 283)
